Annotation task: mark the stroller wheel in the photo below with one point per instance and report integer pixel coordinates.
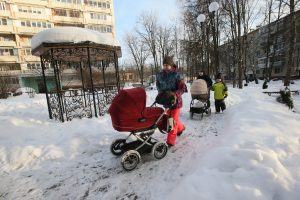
(159, 150)
(202, 115)
(191, 115)
(117, 147)
(130, 159)
(209, 111)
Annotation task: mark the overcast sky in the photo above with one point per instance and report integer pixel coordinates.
(127, 12)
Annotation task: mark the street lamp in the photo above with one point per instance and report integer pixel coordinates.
(201, 18)
(212, 8)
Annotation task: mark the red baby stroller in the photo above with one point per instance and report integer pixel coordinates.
(129, 113)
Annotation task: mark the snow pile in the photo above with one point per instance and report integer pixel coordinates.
(260, 158)
(72, 35)
(252, 151)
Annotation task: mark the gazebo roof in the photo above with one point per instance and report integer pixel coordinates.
(73, 37)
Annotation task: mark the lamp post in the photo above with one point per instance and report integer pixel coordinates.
(212, 8)
(200, 19)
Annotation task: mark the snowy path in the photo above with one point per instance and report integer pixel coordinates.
(97, 174)
(243, 153)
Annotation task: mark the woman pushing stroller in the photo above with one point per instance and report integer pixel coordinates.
(170, 85)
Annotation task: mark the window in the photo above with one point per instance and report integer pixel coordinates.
(7, 38)
(6, 52)
(28, 24)
(3, 6)
(99, 4)
(35, 66)
(100, 28)
(100, 16)
(36, 24)
(74, 13)
(66, 24)
(277, 70)
(59, 12)
(69, 1)
(9, 79)
(3, 22)
(27, 9)
(7, 67)
(28, 52)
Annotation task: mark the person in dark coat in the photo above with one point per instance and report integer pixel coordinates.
(170, 81)
(209, 83)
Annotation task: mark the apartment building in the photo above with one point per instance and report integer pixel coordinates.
(273, 51)
(21, 19)
(267, 49)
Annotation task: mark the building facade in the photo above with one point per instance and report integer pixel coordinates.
(266, 52)
(20, 20)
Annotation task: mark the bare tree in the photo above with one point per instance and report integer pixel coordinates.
(139, 51)
(292, 43)
(165, 41)
(147, 30)
(5, 85)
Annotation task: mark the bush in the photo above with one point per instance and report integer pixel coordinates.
(286, 98)
(265, 85)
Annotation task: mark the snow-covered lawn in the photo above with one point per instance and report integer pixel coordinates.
(252, 151)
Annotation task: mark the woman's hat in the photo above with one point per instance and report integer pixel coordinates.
(168, 60)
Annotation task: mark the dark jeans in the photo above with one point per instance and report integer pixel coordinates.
(220, 105)
(208, 101)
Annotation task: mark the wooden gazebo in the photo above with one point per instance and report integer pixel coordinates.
(84, 51)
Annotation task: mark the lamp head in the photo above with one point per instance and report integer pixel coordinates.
(201, 18)
(214, 6)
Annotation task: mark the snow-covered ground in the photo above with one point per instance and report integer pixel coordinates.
(252, 151)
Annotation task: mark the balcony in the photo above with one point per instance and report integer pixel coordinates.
(96, 9)
(66, 5)
(278, 63)
(260, 66)
(29, 30)
(98, 21)
(32, 2)
(57, 19)
(22, 15)
(36, 72)
(10, 72)
(6, 29)
(9, 59)
(30, 59)
(24, 44)
(4, 13)
(8, 43)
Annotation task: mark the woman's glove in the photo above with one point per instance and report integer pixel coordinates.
(172, 98)
(167, 99)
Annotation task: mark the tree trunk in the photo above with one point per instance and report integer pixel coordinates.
(292, 44)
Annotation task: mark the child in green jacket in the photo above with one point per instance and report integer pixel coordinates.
(220, 93)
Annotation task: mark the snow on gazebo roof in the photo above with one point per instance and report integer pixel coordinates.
(75, 35)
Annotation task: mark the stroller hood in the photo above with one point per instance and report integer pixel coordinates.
(128, 103)
(199, 86)
(128, 111)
